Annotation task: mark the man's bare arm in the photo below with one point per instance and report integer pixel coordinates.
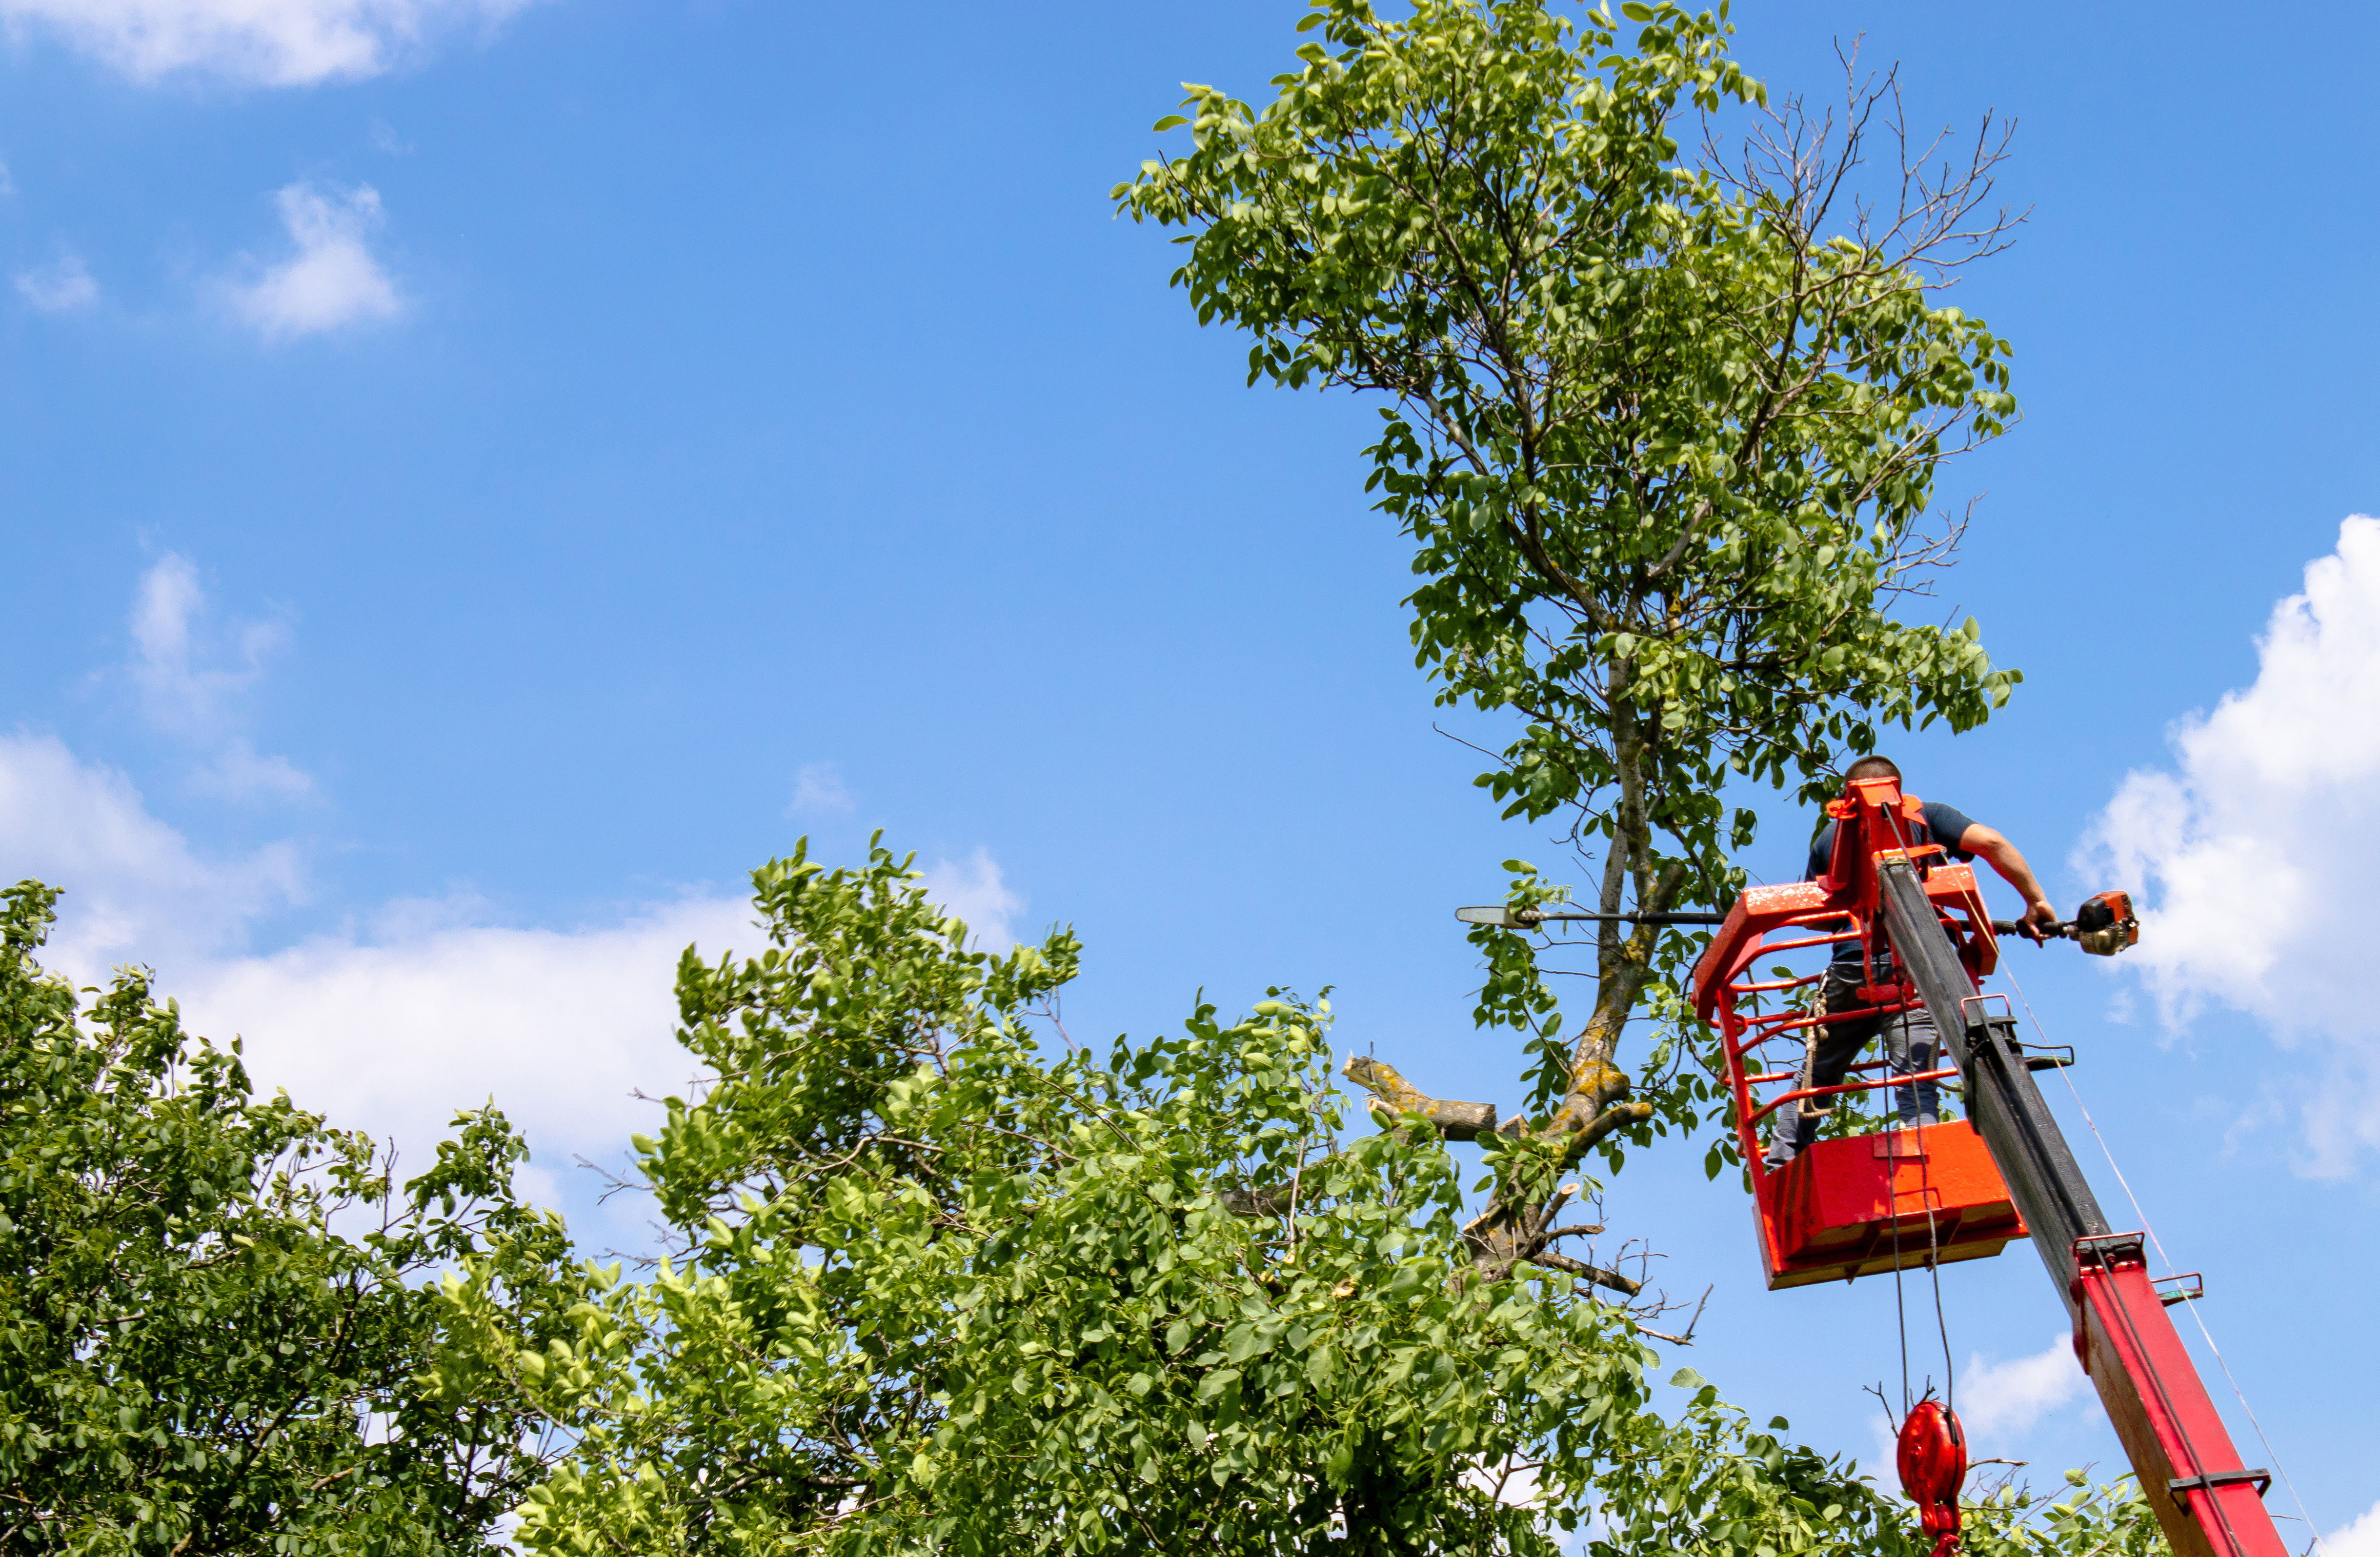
(1981, 839)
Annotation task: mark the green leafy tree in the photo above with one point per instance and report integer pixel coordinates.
(193, 1358)
(944, 1281)
(1662, 428)
(937, 1290)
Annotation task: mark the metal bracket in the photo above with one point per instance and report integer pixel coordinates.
(1979, 1025)
(2186, 1295)
(1976, 1021)
(2112, 1240)
(2214, 1478)
(2106, 1249)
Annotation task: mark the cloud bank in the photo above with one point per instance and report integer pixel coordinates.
(397, 1030)
(2257, 847)
(395, 1021)
(138, 889)
(394, 1025)
(332, 280)
(252, 43)
(978, 894)
(391, 1027)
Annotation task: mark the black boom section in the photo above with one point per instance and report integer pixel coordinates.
(2007, 1108)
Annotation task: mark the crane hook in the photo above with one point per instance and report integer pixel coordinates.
(1933, 1466)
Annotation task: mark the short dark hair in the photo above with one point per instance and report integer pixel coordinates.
(1873, 766)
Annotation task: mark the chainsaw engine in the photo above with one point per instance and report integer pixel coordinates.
(2106, 924)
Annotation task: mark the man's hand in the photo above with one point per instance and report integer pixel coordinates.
(2040, 922)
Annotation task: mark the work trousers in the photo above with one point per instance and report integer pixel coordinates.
(1910, 1043)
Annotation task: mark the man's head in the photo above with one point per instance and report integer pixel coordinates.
(1872, 767)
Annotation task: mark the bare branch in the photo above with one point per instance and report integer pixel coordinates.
(1456, 1121)
(1585, 1272)
(1688, 1338)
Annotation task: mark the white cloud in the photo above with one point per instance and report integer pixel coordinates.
(191, 674)
(393, 1025)
(332, 280)
(1998, 1400)
(427, 1012)
(62, 286)
(2358, 1538)
(262, 43)
(238, 772)
(396, 1033)
(391, 1030)
(976, 893)
(818, 790)
(2256, 846)
(136, 889)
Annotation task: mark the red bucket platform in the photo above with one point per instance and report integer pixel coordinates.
(1867, 1204)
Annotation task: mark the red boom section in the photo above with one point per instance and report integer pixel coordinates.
(2207, 1500)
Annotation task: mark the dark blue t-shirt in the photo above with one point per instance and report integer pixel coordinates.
(1945, 825)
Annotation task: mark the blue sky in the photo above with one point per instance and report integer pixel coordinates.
(482, 476)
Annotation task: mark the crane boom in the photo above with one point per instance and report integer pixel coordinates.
(2207, 1500)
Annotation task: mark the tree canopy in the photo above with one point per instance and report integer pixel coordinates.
(1663, 428)
(940, 1280)
(944, 1280)
(215, 1311)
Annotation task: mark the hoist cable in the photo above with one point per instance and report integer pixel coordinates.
(1934, 1268)
(1899, 1312)
(1885, 1031)
(2200, 1319)
(1932, 1242)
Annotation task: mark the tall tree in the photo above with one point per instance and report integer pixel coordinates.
(194, 1357)
(1663, 428)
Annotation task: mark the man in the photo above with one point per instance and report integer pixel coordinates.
(1909, 1036)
